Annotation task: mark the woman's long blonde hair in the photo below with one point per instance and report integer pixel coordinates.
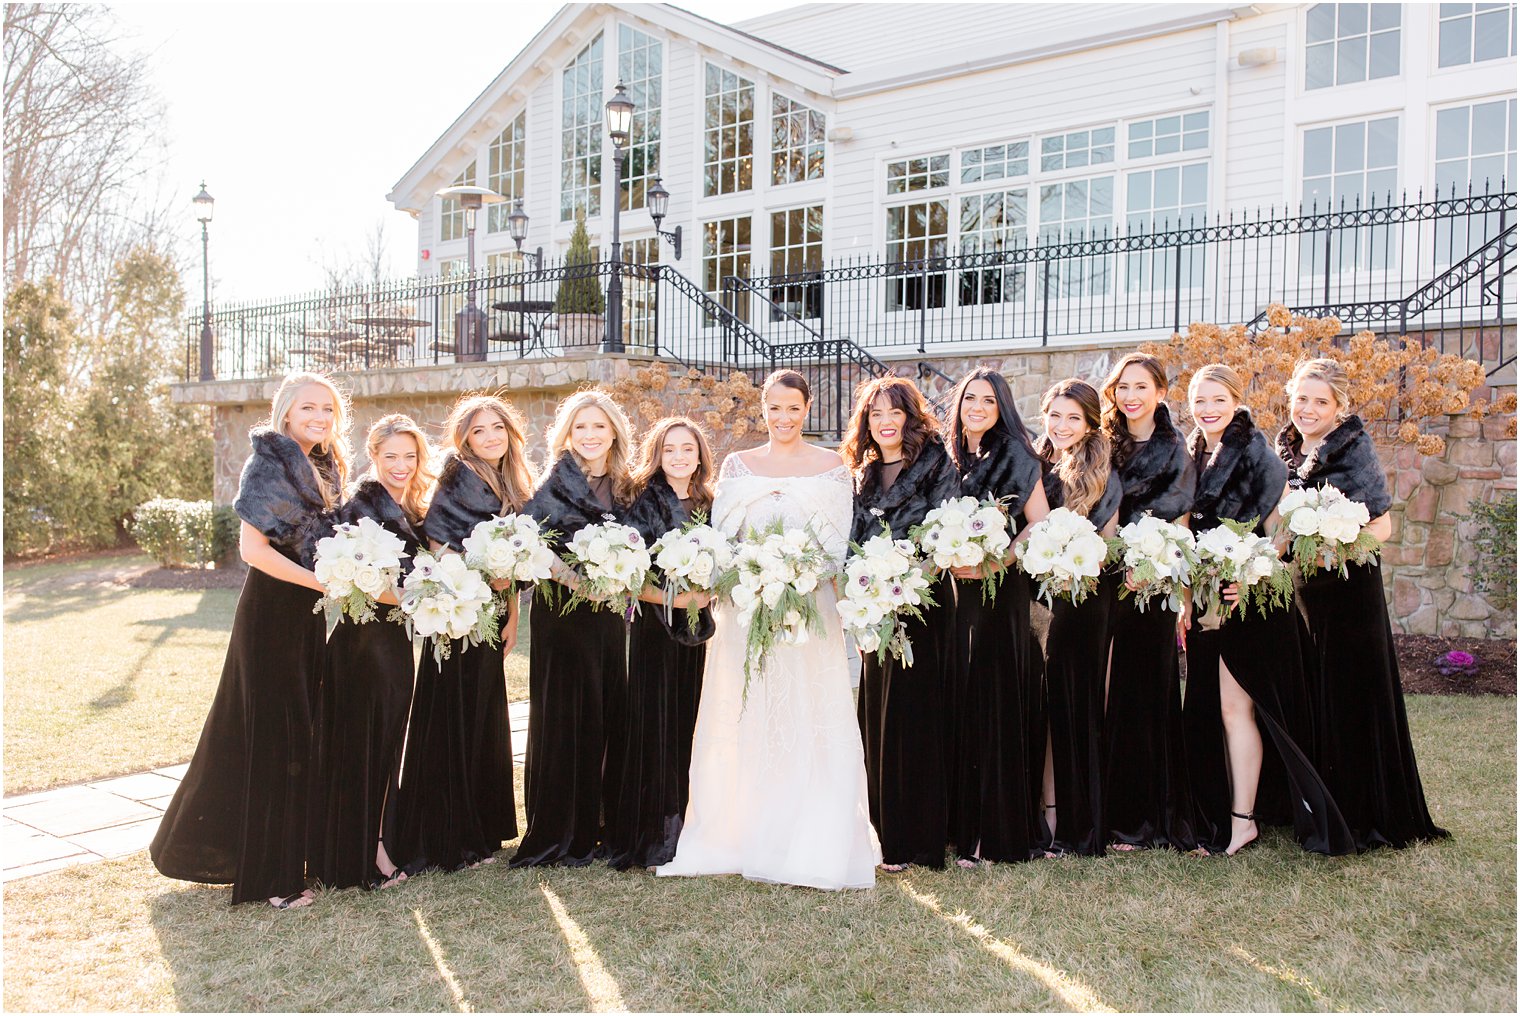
(651, 460)
(511, 479)
(618, 457)
(419, 489)
(335, 447)
(1084, 469)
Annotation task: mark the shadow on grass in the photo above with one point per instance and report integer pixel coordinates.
(125, 690)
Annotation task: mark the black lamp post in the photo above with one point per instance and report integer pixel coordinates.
(204, 203)
(470, 323)
(619, 123)
(517, 228)
(658, 199)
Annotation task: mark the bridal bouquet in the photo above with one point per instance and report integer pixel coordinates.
(356, 565)
(1232, 552)
(884, 585)
(611, 562)
(691, 559)
(1325, 525)
(965, 532)
(1159, 557)
(447, 599)
(773, 583)
(1066, 554)
(510, 547)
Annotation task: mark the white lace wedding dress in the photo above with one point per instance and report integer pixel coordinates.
(778, 787)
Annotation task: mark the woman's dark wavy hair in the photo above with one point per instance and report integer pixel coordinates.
(651, 460)
(1085, 468)
(1114, 422)
(859, 448)
(1008, 420)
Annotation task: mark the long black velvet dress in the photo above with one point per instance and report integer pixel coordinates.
(996, 731)
(1362, 743)
(1146, 792)
(457, 805)
(903, 720)
(366, 695)
(577, 684)
(240, 813)
(665, 661)
(1243, 480)
(1076, 667)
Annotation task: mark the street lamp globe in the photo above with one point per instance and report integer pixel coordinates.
(657, 199)
(619, 117)
(517, 223)
(204, 203)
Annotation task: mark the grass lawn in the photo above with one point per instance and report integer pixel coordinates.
(102, 679)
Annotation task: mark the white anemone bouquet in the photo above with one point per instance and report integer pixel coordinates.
(359, 563)
(965, 532)
(773, 583)
(1159, 557)
(884, 586)
(1065, 552)
(510, 547)
(691, 559)
(1325, 526)
(448, 600)
(1232, 552)
(611, 562)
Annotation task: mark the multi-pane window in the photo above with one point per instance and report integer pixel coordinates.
(917, 237)
(580, 161)
(1470, 33)
(995, 162)
(639, 291)
(1347, 43)
(639, 69)
(726, 251)
(1077, 148)
(1168, 135)
(508, 166)
(1077, 210)
(1162, 200)
(797, 133)
(797, 253)
(451, 301)
(728, 149)
(991, 224)
(922, 173)
(451, 212)
(1475, 148)
(1348, 166)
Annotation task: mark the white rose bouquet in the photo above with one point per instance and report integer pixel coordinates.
(691, 559)
(510, 547)
(1065, 552)
(1232, 552)
(358, 564)
(965, 532)
(1324, 526)
(611, 562)
(1159, 557)
(773, 583)
(447, 599)
(884, 585)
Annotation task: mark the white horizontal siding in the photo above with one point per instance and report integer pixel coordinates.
(1257, 128)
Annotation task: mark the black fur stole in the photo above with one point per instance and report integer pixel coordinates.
(278, 494)
(1158, 476)
(1098, 514)
(1243, 480)
(461, 501)
(920, 488)
(564, 502)
(370, 500)
(654, 513)
(1346, 459)
(1002, 466)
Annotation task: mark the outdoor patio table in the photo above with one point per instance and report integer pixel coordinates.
(535, 317)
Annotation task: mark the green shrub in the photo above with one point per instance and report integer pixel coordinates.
(176, 533)
(1493, 544)
(226, 528)
(581, 290)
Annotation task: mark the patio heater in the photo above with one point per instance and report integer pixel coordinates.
(470, 323)
(204, 203)
(619, 122)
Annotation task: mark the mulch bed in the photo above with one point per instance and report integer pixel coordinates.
(1495, 660)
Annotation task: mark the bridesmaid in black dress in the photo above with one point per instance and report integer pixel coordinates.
(1145, 780)
(673, 480)
(1361, 733)
(1081, 478)
(457, 805)
(578, 664)
(367, 690)
(1237, 778)
(240, 813)
(902, 472)
(996, 733)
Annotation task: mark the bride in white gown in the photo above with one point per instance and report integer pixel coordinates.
(778, 785)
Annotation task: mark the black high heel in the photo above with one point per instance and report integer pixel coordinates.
(1248, 843)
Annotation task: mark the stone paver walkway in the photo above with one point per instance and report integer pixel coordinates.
(88, 822)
